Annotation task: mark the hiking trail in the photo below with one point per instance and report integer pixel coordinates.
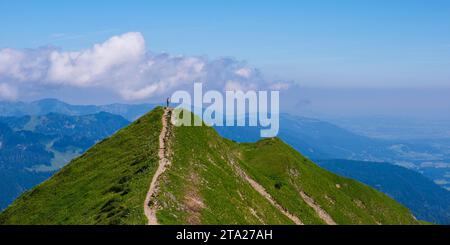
(150, 204)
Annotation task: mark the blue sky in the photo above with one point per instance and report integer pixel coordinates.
(343, 56)
(318, 43)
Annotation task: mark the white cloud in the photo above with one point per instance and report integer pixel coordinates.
(124, 65)
(23, 65)
(10, 63)
(97, 63)
(7, 92)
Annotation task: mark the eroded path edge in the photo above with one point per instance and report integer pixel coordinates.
(150, 204)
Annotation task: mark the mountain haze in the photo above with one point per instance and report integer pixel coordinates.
(45, 106)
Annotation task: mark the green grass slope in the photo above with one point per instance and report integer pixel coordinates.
(201, 187)
(106, 185)
(203, 184)
(284, 172)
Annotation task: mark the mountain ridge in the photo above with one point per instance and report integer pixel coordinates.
(203, 184)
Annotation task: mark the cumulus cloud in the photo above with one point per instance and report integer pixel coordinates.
(24, 65)
(124, 65)
(98, 63)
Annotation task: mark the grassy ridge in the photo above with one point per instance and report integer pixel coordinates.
(108, 184)
(284, 172)
(201, 161)
(201, 186)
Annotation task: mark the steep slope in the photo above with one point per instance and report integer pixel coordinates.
(202, 187)
(288, 175)
(106, 185)
(210, 180)
(207, 172)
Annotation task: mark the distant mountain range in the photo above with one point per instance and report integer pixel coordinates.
(33, 147)
(46, 106)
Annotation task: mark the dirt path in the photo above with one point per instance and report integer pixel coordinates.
(319, 211)
(260, 189)
(150, 205)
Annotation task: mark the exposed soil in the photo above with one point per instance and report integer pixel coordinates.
(150, 204)
(319, 211)
(262, 191)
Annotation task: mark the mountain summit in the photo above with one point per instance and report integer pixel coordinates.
(154, 173)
